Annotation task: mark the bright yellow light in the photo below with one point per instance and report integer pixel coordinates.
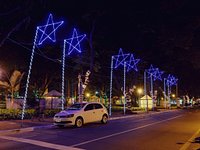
(139, 90)
(173, 95)
(87, 94)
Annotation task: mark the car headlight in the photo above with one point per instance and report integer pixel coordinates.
(69, 116)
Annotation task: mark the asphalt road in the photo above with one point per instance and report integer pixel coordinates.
(174, 130)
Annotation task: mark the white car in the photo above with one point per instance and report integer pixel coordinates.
(81, 113)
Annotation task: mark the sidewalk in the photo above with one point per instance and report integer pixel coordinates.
(19, 125)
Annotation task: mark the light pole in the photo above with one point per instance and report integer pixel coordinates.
(111, 78)
(139, 91)
(145, 89)
(124, 88)
(165, 93)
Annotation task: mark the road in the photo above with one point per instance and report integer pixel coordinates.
(173, 130)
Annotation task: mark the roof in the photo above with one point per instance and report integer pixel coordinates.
(146, 97)
(53, 93)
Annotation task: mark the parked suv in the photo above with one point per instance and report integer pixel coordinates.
(82, 113)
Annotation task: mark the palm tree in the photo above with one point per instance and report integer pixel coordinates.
(13, 84)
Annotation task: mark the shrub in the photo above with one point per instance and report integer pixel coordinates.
(15, 114)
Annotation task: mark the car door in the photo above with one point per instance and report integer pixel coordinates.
(98, 111)
(89, 113)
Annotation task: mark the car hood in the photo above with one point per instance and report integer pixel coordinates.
(67, 112)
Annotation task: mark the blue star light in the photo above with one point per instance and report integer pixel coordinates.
(74, 42)
(48, 31)
(171, 80)
(152, 71)
(155, 73)
(158, 74)
(132, 63)
(174, 80)
(120, 58)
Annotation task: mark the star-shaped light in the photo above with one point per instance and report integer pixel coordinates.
(120, 58)
(48, 31)
(158, 74)
(174, 80)
(171, 80)
(152, 71)
(74, 42)
(132, 64)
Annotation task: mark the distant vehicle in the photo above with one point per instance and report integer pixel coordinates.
(81, 113)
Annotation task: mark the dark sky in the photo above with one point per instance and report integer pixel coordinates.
(163, 33)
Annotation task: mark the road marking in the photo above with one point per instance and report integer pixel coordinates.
(126, 131)
(188, 143)
(40, 143)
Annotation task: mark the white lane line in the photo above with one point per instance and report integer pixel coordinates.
(40, 143)
(126, 131)
(188, 143)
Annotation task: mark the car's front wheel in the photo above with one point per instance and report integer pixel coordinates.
(104, 119)
(79, 122)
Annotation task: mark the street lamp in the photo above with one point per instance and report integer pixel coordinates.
(87, 95)
(139, 91)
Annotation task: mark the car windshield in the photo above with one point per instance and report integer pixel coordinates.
(76, 106)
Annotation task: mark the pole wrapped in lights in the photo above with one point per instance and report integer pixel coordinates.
(42, 34)
(121, 59)
(169, 81)
(154, 74)
(73, 45)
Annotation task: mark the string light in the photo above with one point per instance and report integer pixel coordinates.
(132, 64)
(171, 80)
(120, 58)
(48, 31)
(154, 73)
(158, 74)
(74, 42)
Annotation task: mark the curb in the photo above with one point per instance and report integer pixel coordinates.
(27, 129)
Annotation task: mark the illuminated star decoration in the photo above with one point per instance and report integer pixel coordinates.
(74, 42)
(48, 31)
(171, 80)
(120, 60)
(152, 72)
(132, 64)
(158, 74)
(174, 80)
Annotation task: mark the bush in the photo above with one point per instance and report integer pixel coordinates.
(15, 114)
(51, 112)
(6, 114)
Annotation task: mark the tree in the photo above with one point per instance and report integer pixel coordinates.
(13, 84)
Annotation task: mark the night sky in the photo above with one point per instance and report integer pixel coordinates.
(163, 33)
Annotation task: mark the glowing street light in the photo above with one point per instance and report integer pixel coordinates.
(173, 95)
(87, 95)
(139, 91)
